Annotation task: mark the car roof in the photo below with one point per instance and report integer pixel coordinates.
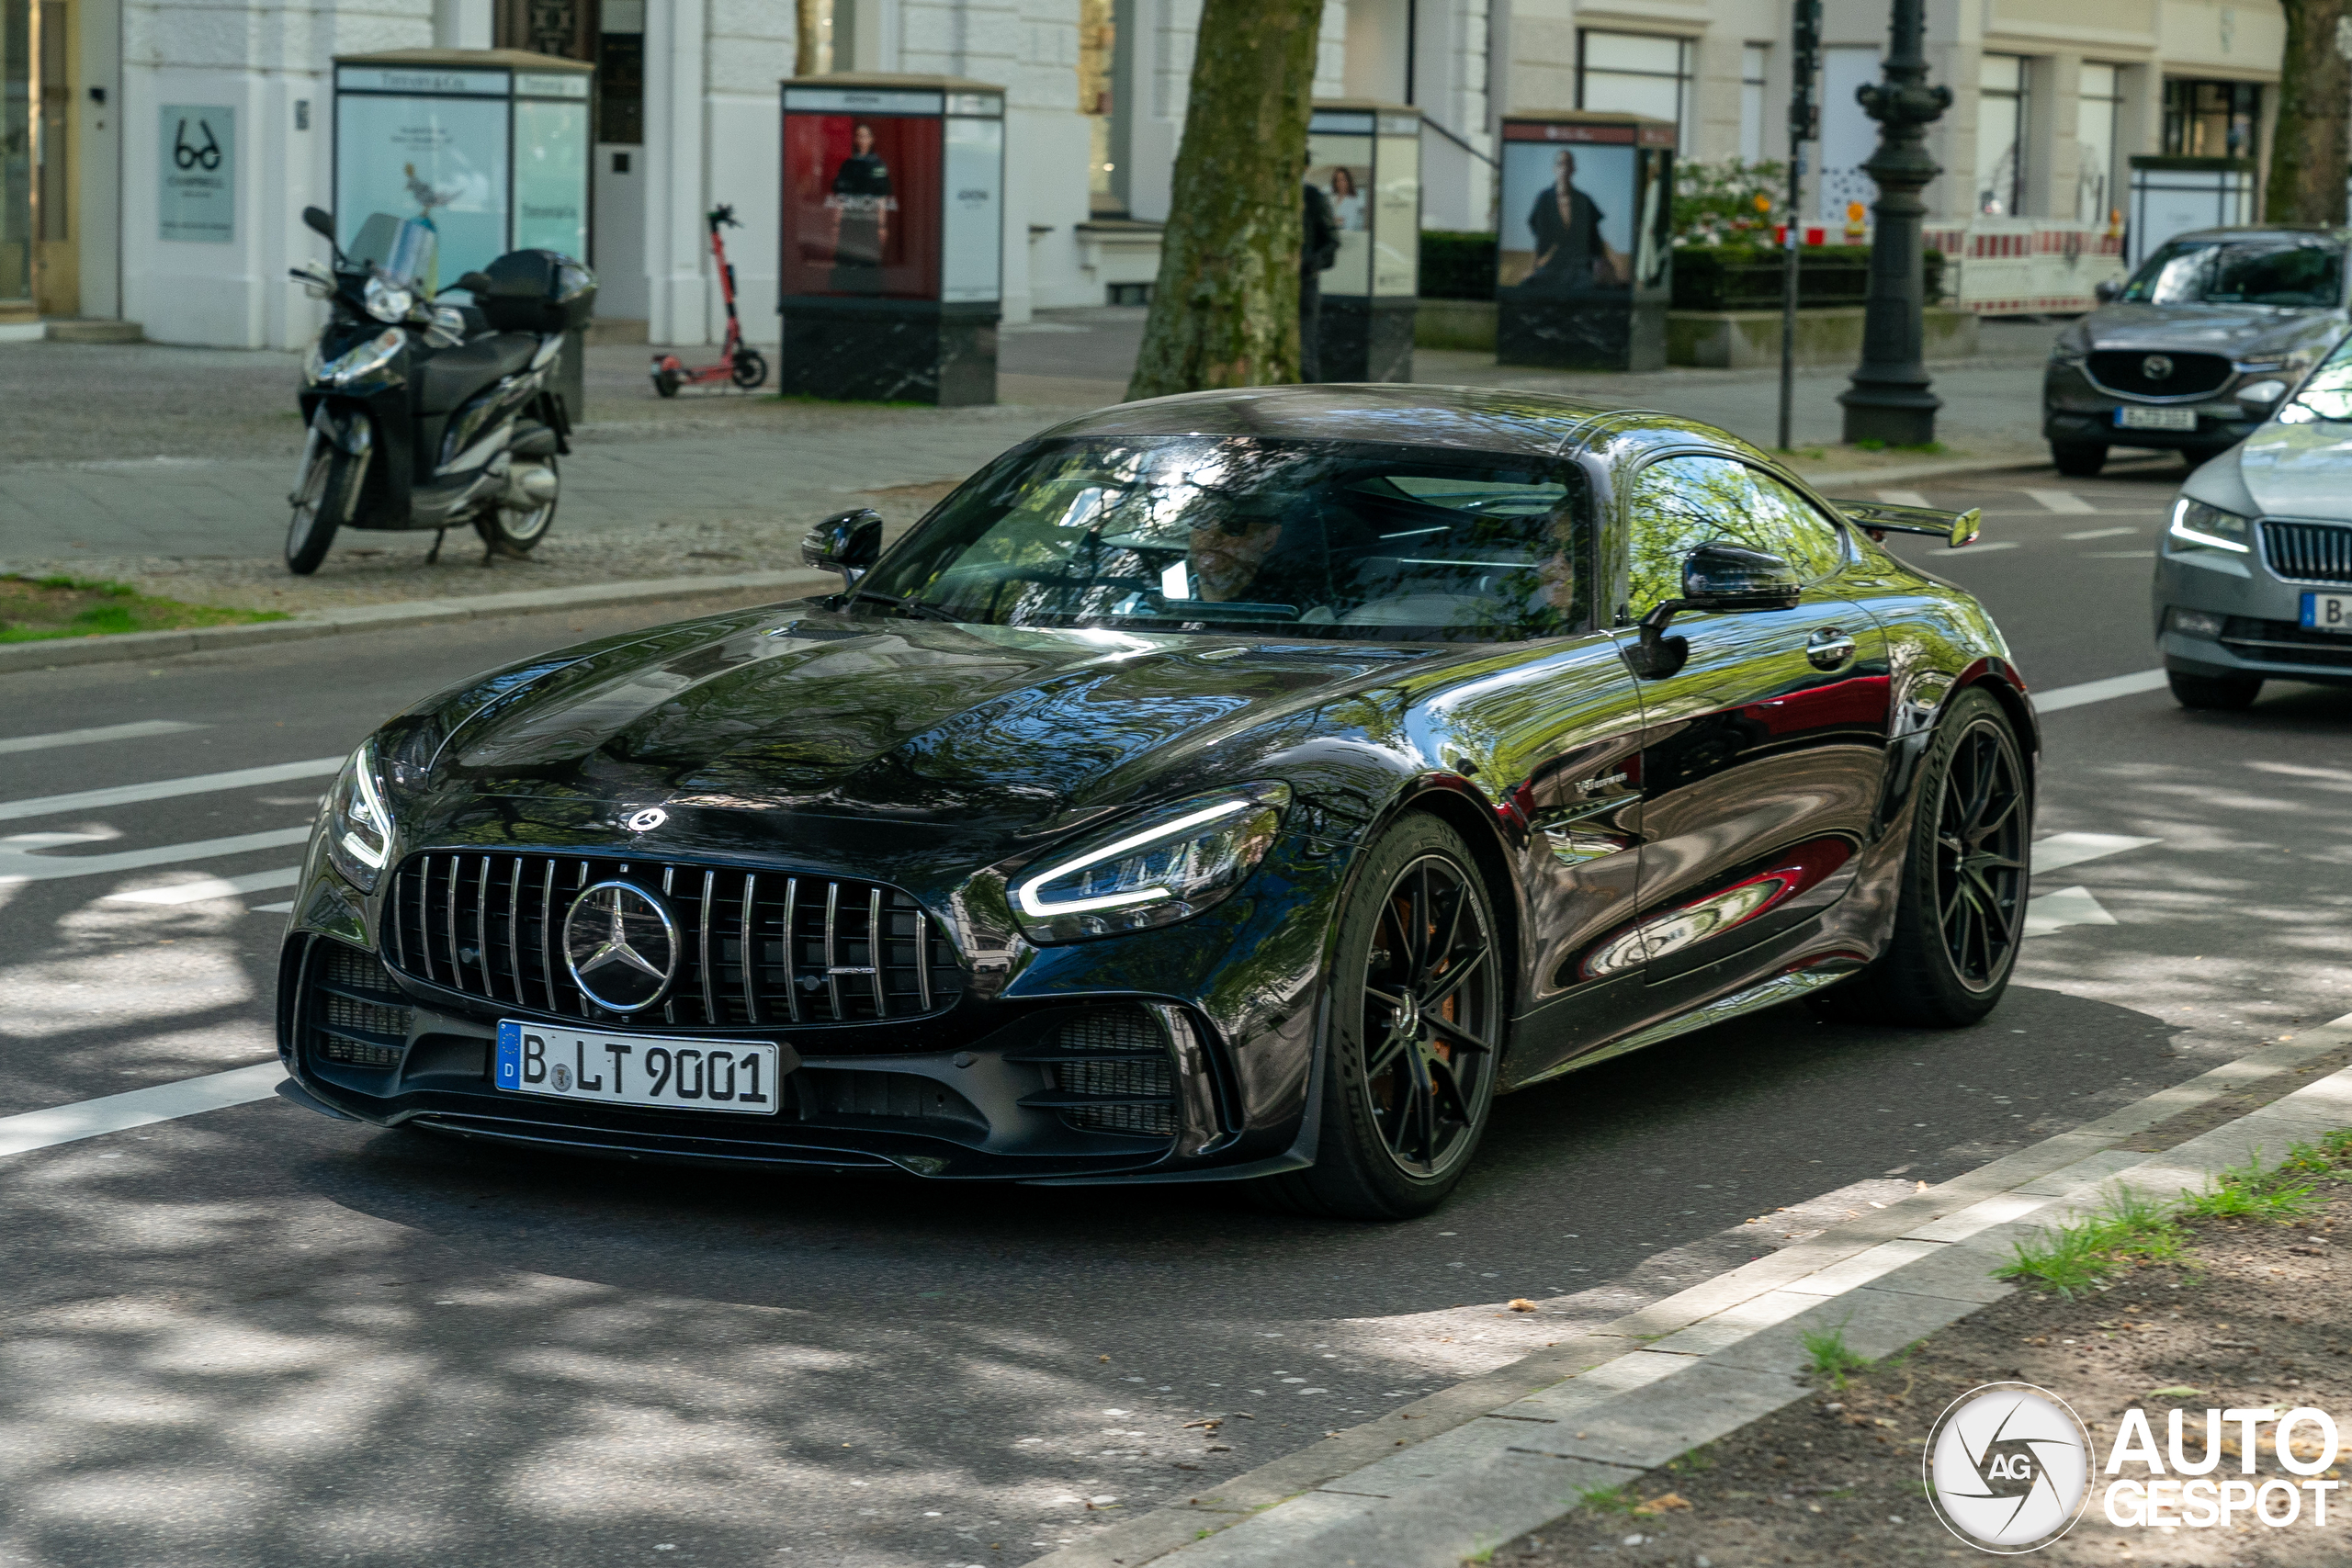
(1484, 419)
(2264, 232)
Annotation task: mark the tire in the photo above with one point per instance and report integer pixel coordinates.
(666, 383)
(507, 531)
(327, 498)
(2219, 694)
(1957, 925)
(750, 370)
(1402, 1111)
(2078, 461)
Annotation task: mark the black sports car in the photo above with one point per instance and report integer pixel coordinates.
(1240, 785)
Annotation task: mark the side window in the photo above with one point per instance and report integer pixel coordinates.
(1679, 503)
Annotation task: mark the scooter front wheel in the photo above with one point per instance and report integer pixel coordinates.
(750, 370)
(329, 495)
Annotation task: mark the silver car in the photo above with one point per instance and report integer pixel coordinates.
(2200, 345)
(2254, 578)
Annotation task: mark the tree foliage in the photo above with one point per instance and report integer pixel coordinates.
(1225, 309)
(2312, 151)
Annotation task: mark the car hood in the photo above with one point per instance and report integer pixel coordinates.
(980, 736)
(2237, 331)
(2297, 470)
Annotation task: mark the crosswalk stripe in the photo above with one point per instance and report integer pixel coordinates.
(164, 789)
(2060, 500)
(210, 887)
(32, 1130)
(2060, 850)
(139, 731)
(2096, 533)
(1903, 498)
(2060, 697)
(18, 863)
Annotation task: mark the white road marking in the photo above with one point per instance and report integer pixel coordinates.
(1903, 498)
(137, 731)
(2119, 555)
(2061, 697)
(2067, 906)
(139, 1108)
(2097, 533)
(1982, 546)
(210, 887)
(285, 909)
(164, 789)
(2060, 850)
(18, 863)
(2060, 500)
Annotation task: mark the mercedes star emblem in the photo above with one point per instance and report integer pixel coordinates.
(2157, 367)
(621, 946)
(644, 821)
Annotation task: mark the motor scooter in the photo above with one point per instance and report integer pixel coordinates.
(429, 415)
(742, 364)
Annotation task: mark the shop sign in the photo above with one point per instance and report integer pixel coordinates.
(196, 198)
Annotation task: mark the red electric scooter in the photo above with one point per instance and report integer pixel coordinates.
(742, 365)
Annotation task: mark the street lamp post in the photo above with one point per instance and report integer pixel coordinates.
(1889, 400)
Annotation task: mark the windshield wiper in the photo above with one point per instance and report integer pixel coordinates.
(914, 609)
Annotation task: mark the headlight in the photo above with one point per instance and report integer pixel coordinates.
(2198, 526)
(371, 356)
(314, 364)
(386, 302)
(2262, 394)
(2064, 352)
(359, 823)
(1152, 871)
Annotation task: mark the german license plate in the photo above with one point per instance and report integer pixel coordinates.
(2328, 612)
(2156, 419)
(637, 1069)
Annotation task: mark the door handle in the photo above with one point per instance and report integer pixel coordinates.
(1828, 648)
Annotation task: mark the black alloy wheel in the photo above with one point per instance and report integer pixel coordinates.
(1965, 881)
(1414, 1039)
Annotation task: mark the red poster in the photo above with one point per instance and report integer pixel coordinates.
(861, 206)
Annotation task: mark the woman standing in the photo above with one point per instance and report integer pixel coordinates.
(862, 203)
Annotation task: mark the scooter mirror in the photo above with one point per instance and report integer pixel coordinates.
(319, 221)
(476, 283)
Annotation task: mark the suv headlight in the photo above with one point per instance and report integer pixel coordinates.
(359, 823)
(386, 302)
(2197, 526)
(1151, 871)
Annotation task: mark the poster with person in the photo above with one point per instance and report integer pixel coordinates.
(1340, 167)
(861, 205)
(1568, 216)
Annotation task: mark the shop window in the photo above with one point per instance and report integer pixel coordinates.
(2097, 113)
(564, 27)
(1754, 60)
(1104, 43)
(2000, 135)
(15, 151)
(620, 73)
(1635, 74)
(2211, 119)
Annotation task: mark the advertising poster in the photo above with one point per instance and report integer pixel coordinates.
(1340, 167)
(441, 160)
(861, 205)
(1568, 217)
(1397, 213)
(551, 176)
(971, 258)
(198, 200)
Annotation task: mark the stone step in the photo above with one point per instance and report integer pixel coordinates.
(93, 329)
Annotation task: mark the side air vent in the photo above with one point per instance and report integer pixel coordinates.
(1111, 1072)
(357, 1015)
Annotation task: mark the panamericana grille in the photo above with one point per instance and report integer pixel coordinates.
(2285, 642)
(2125, 370)
(820, 950)
(2308, 552)
(358, 1016)
(1110, 1073)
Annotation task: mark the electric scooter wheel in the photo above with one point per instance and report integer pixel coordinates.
(511, 530)
(750, 370)
(328, 496)
(666, 382)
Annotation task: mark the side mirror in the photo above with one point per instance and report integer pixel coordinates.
(1966, 525)
(1715, 577)
(475, 282)
(319, 221)
(2107, 291)
(847, 542)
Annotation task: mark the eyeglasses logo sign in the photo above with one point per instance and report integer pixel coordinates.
(621, 946)
(2008, 1468)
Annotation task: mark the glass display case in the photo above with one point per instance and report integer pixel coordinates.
(1365, 156)
(1584, 254)
(891, 260)
(2174, 196)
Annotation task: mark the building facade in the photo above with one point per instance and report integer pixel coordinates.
(124, 118)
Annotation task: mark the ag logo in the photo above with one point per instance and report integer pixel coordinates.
(2008, 1468)
(2157, 367)
(621, 946)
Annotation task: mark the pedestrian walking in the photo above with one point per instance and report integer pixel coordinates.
(1318, 247)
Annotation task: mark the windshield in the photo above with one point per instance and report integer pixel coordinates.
(1313, 538)
(2293, 272)
(2327, 394)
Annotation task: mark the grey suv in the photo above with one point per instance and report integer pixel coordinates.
(2255, 579)
(2196, 348)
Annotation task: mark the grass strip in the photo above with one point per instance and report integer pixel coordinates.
(42, 609)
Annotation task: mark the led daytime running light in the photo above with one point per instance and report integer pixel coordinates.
(372, 809)
(2181, 530)
(1027, 893)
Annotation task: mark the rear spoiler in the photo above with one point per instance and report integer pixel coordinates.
(1879, 518)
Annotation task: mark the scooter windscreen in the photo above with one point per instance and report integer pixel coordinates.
(404, 251)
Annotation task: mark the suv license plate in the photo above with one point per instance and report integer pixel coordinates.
(2328, 612)
(2156, 419)
(637, 1069)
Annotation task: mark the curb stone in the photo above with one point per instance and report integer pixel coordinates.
(58, 652)
(1490, 1458)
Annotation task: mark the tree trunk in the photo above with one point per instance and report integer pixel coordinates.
(808, 25)
(1224, 311)
(2312, 154)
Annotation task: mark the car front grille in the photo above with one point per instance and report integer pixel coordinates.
(357, 1016)
(759, 948)
(2308, 552)
(2284, 642)
(2126, 371)
(1111, 1072)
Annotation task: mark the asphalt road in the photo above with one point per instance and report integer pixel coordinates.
(255, 1336)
